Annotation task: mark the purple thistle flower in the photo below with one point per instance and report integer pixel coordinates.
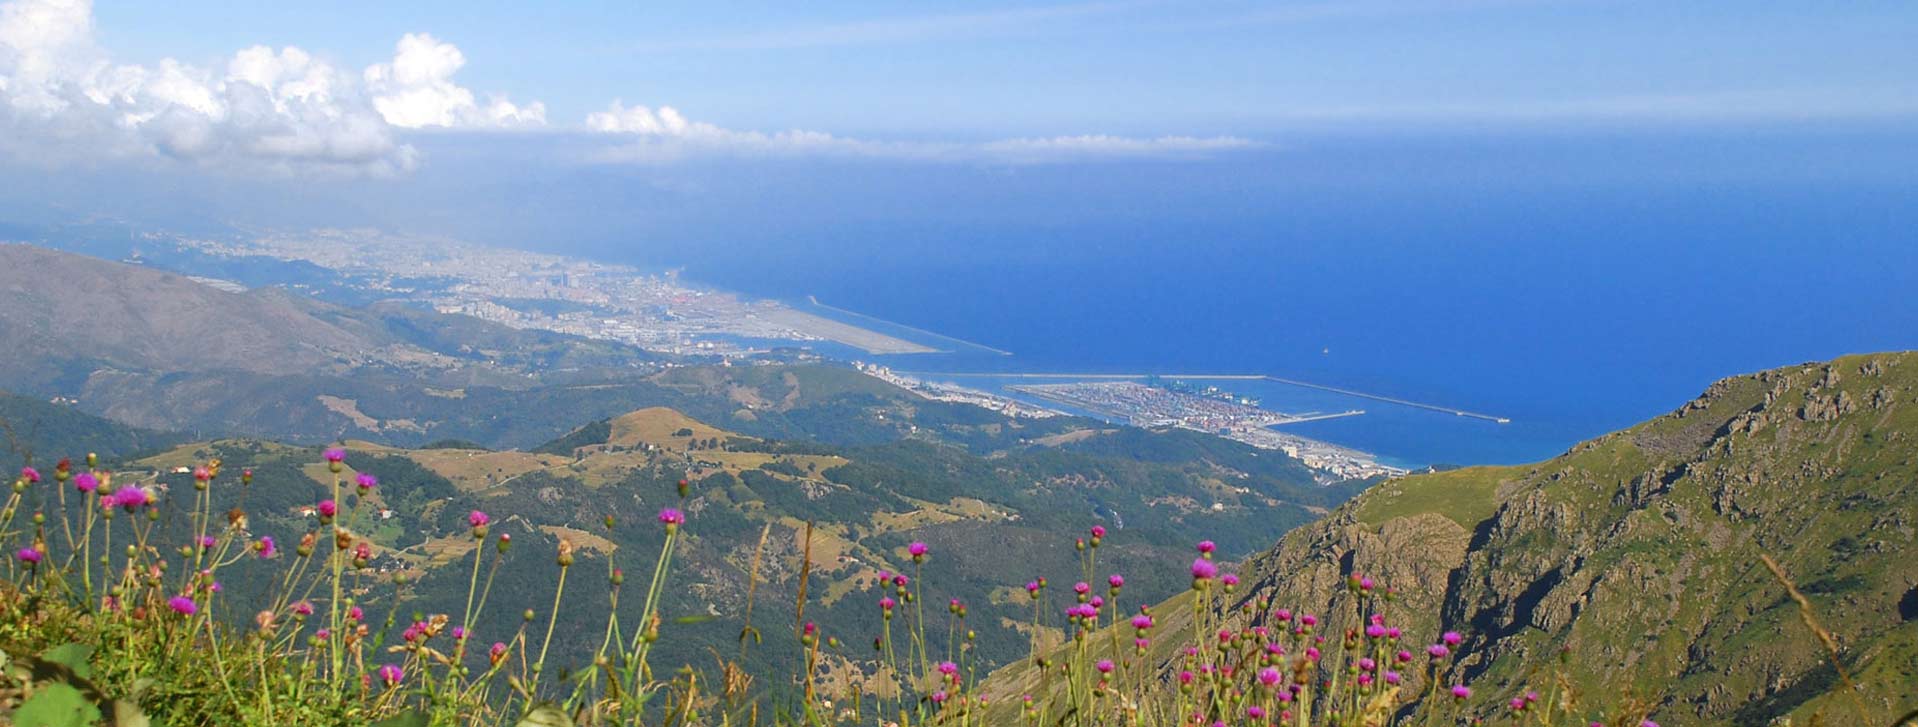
(670, 516)
(1452, 638)
(917, 550)
(1098, 531)
(392, 674)
(1203, 569)
(1207, 546)
(182, 605)
(478, 519)
(267, 548)
(30, 474)
(334, 455)
(1269, 676)
(86, 482)
(1461, 691)
(303, 608)
(1115, 580)
(1141, 622)
(30, 555)
(366, 481)
(329, 508)
(1104, 666)
(1229, 579)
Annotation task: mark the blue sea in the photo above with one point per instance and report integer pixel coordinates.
(1573, 284)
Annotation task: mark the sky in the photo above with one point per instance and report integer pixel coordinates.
(1458, 197)
(349, 88)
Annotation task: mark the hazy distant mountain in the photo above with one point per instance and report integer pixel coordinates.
(1637, 554)
(157, 349)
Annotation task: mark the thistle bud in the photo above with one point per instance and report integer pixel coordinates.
(528, 615)
(505, 542)
(619, 576)
(93, 460)
(684, 487)
(609, 522)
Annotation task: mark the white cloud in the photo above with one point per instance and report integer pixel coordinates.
(416, 90)
(664, 135)
(62, 97)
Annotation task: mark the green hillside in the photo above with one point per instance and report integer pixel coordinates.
(1634, 560)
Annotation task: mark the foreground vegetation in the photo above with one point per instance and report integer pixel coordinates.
(99, 619)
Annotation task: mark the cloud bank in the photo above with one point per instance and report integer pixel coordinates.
(62, 96)
(655, 136)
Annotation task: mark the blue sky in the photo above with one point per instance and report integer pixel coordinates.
(989, 70)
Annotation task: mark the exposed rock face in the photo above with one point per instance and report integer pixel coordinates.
(1637, 554)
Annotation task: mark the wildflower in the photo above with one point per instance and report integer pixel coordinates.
(1206, 547)
(1255, 712)
(132, 497)
(1452, 638)
(1648, 723)
(366, 481)
(86, 482)
(886, 603)
(303, 608)
(323, 634)
(328, 509)
(392, 675)
(1438, 651)
(1032, 588)
(672, 519)
(1204, 570)
(1308, 620)
(1098, 531)
(31, 475)
(266, 547)
(1229, 580)
(355, 614)
(1115, 580)
(1284, 615)
(1142, 622)
(1081, 588)
(459, 633)
(182, 605)
(207, 541)
(31, 556)
(1461, 691)
(1392, 677)
(202, 475)
(918, 552)
(1403, 656)
(948, 668)
(496, 654)
(478, 520)
(1104, 666)
(1269, 676)
(939, 697)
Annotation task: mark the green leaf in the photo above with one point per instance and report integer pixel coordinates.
(404, 719)
(693, 619)
(545, 716)
(56, 705)
(72, 656)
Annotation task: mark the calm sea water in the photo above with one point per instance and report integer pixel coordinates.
(1489, 276)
